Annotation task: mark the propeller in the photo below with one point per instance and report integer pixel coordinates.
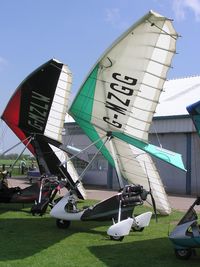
(150, 192)
(154, 205)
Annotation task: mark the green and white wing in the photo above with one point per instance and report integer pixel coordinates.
(119, 98)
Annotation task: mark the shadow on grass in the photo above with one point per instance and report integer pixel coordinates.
(21, 238)
(154, 252)
(5, 207)
(24, 237)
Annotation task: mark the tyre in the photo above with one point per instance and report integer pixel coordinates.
(183, 254)
(137, 229)
(63, 224)
(116, 238)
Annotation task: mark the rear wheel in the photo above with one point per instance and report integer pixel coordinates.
(63, 224)
(183, 254)
(137, 228)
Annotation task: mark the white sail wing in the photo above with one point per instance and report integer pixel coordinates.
(56, 118)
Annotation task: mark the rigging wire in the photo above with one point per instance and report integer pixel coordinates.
(156, 133)
(12, 166)
(95, 155)
(16, 145)
(161, 29)
(61, 69)
(100, 139)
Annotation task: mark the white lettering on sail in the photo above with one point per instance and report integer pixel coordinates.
(38, 111)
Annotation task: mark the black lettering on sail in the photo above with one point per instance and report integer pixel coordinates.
(125, 103)
(116, 108)
(125, 79)
(113, 122)
(121, 89)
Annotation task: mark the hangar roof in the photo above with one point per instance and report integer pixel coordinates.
(177, 95)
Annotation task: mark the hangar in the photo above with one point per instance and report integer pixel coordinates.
(172, 128)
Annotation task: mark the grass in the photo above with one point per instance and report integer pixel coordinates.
(16, 169)
(36, 241)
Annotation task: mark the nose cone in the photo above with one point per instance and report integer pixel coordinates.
(54, 212)
(58, 211)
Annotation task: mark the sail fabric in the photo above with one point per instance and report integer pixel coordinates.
(37, 110)
(66, 163)
(56, 118)
(39, 104)
(120, 95)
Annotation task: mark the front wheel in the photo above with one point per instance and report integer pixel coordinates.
(116, 238)
(63, 224)
(183, 254)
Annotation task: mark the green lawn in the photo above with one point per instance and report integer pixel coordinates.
(36, 241)
(16, 169)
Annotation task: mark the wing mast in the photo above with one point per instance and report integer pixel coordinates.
(116, 162)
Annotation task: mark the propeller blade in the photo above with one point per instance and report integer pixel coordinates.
(154, 206)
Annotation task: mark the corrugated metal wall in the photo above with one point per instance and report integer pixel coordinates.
(174, 133)
(173, 179)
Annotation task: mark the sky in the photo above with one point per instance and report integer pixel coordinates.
(77, 33)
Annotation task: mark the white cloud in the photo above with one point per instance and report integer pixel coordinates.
(178, 9)
(113, 17)
(181, 7)
(3, 63)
